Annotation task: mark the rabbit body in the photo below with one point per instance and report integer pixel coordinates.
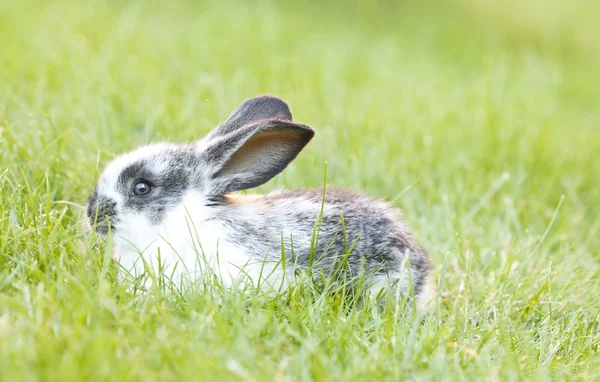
(170, 208)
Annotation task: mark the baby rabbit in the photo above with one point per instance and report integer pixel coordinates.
(174, 200)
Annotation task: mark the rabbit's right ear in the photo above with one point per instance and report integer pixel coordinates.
(252, 111)
(251, 155)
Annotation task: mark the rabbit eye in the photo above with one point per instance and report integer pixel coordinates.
(142, 188)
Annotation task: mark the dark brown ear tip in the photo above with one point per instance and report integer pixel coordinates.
(309, 131)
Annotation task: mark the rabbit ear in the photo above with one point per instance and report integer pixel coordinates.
(252, 154)
(251, 111)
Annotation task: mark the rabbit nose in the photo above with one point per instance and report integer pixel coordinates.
(101, 209)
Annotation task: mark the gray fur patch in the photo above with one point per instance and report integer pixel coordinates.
(101, 212)
(378, 238)
(168, 185)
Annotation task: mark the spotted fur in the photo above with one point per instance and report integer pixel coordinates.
(197, 225)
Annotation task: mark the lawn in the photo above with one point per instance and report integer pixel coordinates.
(480, 120)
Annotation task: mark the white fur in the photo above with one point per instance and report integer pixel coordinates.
(190, 247)
(427, 294)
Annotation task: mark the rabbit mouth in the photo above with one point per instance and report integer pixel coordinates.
(104, 228)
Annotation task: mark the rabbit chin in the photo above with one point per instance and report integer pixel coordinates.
(188, 247)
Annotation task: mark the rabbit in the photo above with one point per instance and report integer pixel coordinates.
(176, 203)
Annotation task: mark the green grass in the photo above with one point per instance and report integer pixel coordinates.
(483, 127)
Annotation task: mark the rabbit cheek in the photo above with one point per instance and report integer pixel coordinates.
(153, 211)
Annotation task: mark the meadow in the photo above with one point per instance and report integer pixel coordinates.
(479, 120)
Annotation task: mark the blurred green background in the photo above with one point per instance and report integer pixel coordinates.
(480, 119)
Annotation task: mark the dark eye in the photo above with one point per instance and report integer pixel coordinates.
(142, 188)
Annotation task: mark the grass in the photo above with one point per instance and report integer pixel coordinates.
(481, 126)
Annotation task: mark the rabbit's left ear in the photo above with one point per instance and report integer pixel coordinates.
(252, 154)
(252, 111)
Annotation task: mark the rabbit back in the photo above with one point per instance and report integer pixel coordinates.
(364, 233)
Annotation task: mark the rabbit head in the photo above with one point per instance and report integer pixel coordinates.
(253, 145)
